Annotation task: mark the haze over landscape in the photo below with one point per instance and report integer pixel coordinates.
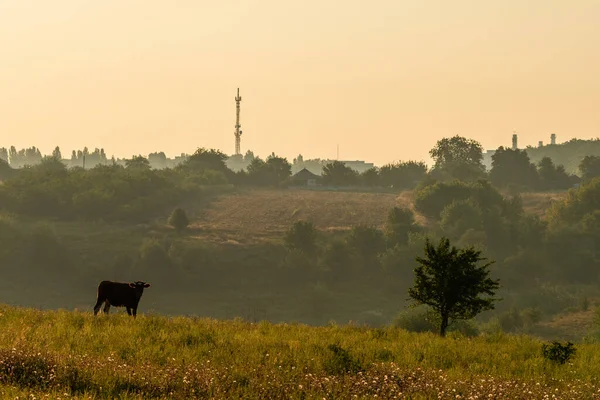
(383, 80)
(441, 256)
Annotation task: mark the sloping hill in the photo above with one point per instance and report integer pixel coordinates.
(572, 325)
(256, 215)
(538, 203)
(261, 214)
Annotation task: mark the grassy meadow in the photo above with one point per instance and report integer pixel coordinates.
(62, 354)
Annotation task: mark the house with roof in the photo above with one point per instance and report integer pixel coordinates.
(304, 178)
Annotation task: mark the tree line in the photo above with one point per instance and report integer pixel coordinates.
(454, 158)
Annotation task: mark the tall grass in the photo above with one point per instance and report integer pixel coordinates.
(60, 353)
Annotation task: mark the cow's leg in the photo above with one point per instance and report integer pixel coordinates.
(98, 305)
(106, 307)
(129, 310)
(134, 311)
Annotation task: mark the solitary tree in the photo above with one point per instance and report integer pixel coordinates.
(452, 284)
(458, 157)
(457, 149)
(179, 219)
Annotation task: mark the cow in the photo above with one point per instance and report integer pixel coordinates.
(120, 294)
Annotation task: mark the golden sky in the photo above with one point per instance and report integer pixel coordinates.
(384, 79)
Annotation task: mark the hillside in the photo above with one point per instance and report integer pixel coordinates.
(232, 262)
(538, 203)
(258, 215)
(58, 354)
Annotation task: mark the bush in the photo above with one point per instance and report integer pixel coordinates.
(557, 352)
(431, 200)
(340, 362)
(302, 236)
(460, 216)
(400, 222)
(179, 219)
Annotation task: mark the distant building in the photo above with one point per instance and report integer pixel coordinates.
(359, 166)
(487, 159)
(304, 178)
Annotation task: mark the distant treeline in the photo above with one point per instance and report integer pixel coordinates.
(134, 190)
(569, 154)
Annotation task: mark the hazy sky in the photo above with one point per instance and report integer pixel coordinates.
(384, 78)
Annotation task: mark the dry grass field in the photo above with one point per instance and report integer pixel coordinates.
(572, 325)
(256, 215)
(538, 203)
(259, 215)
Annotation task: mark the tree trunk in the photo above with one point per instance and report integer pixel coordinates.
(444, 325)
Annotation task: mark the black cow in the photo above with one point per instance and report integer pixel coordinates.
(120, 295)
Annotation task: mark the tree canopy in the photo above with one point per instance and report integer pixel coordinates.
(590, 167)
(450, 281)
(457, 149)
(513, 167)
(339, 174)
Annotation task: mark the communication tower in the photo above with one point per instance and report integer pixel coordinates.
(238, 132)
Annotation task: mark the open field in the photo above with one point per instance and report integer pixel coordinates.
(262, 214)
(257, 215)
(59, 354)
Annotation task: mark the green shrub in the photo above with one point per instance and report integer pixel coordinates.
(460, 216)
(431, 200)
(367, 241)
(557, 352)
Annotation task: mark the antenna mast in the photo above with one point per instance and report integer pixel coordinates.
(238, 132)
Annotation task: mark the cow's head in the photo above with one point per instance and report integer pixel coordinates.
(139, 287)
